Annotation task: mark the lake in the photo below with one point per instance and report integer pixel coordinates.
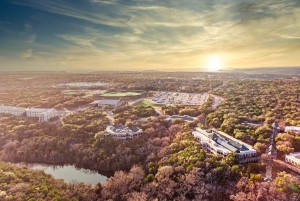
(70, 173)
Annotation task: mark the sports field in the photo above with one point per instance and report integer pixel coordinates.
(121, 94)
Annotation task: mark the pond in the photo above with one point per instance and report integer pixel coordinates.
(70, 173)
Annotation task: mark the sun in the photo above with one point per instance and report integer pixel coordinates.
(214, 64)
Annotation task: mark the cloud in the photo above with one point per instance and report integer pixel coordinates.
(157, 34)
(26, 54)
(31, 38)
(104, 1)
(28, 27)
(66, 8)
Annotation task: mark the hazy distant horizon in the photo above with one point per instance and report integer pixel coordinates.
(286, 70)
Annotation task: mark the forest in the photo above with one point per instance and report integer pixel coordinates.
(166, 162)
(18, 183)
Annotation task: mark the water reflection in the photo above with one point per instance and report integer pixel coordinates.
(70, 173)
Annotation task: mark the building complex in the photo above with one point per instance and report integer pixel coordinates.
(42, 114)
(222, 144)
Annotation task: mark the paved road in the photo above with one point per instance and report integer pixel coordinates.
(110, 116)
(223, 84)
(217, 100)
(159, 111)
(135, 101)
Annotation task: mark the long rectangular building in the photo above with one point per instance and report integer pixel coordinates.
(222, 144)
(111, 103)
(43, 114)
(17, 111)
(293, 158)
(292, 129)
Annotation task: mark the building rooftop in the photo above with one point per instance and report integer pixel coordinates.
(241, 146)
(184, 117)
(108, 102)
(297, 128)
(123, 130)
(3, 107)
(294, 156)
(224, 140)
(40, 110)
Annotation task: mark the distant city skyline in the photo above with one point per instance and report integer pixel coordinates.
(171, 35)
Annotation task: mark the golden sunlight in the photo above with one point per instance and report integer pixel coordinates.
(214, 64)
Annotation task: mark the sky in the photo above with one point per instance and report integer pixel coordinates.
(177, 35)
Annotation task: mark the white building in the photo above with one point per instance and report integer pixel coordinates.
(17, 111)
(222, 144)
(292, 129)
(83, 84)
(108, 103)
(42, 113)
(122, 132)
(293, 158)
(185, 118)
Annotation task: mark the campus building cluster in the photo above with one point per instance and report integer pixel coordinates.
(122, 132)
(42, 114)
(222, 144)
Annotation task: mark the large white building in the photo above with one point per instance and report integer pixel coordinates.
(108, 103)
(122, 132)
(292, 129)
(222, 144)
(293, 158)
(17, 111)
(41, 113)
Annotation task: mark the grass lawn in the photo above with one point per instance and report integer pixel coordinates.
(144, 103)
(119, 94)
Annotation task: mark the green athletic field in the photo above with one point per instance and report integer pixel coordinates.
(121, 94)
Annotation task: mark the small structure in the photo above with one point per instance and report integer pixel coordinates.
(17, 111)
(222, 144)
(111, 103)
(252, 124)
(292, 129)
(42, 113)
(122, 132)
(185, 118)
(293, 158)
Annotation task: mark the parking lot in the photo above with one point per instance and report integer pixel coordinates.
(177, 98)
